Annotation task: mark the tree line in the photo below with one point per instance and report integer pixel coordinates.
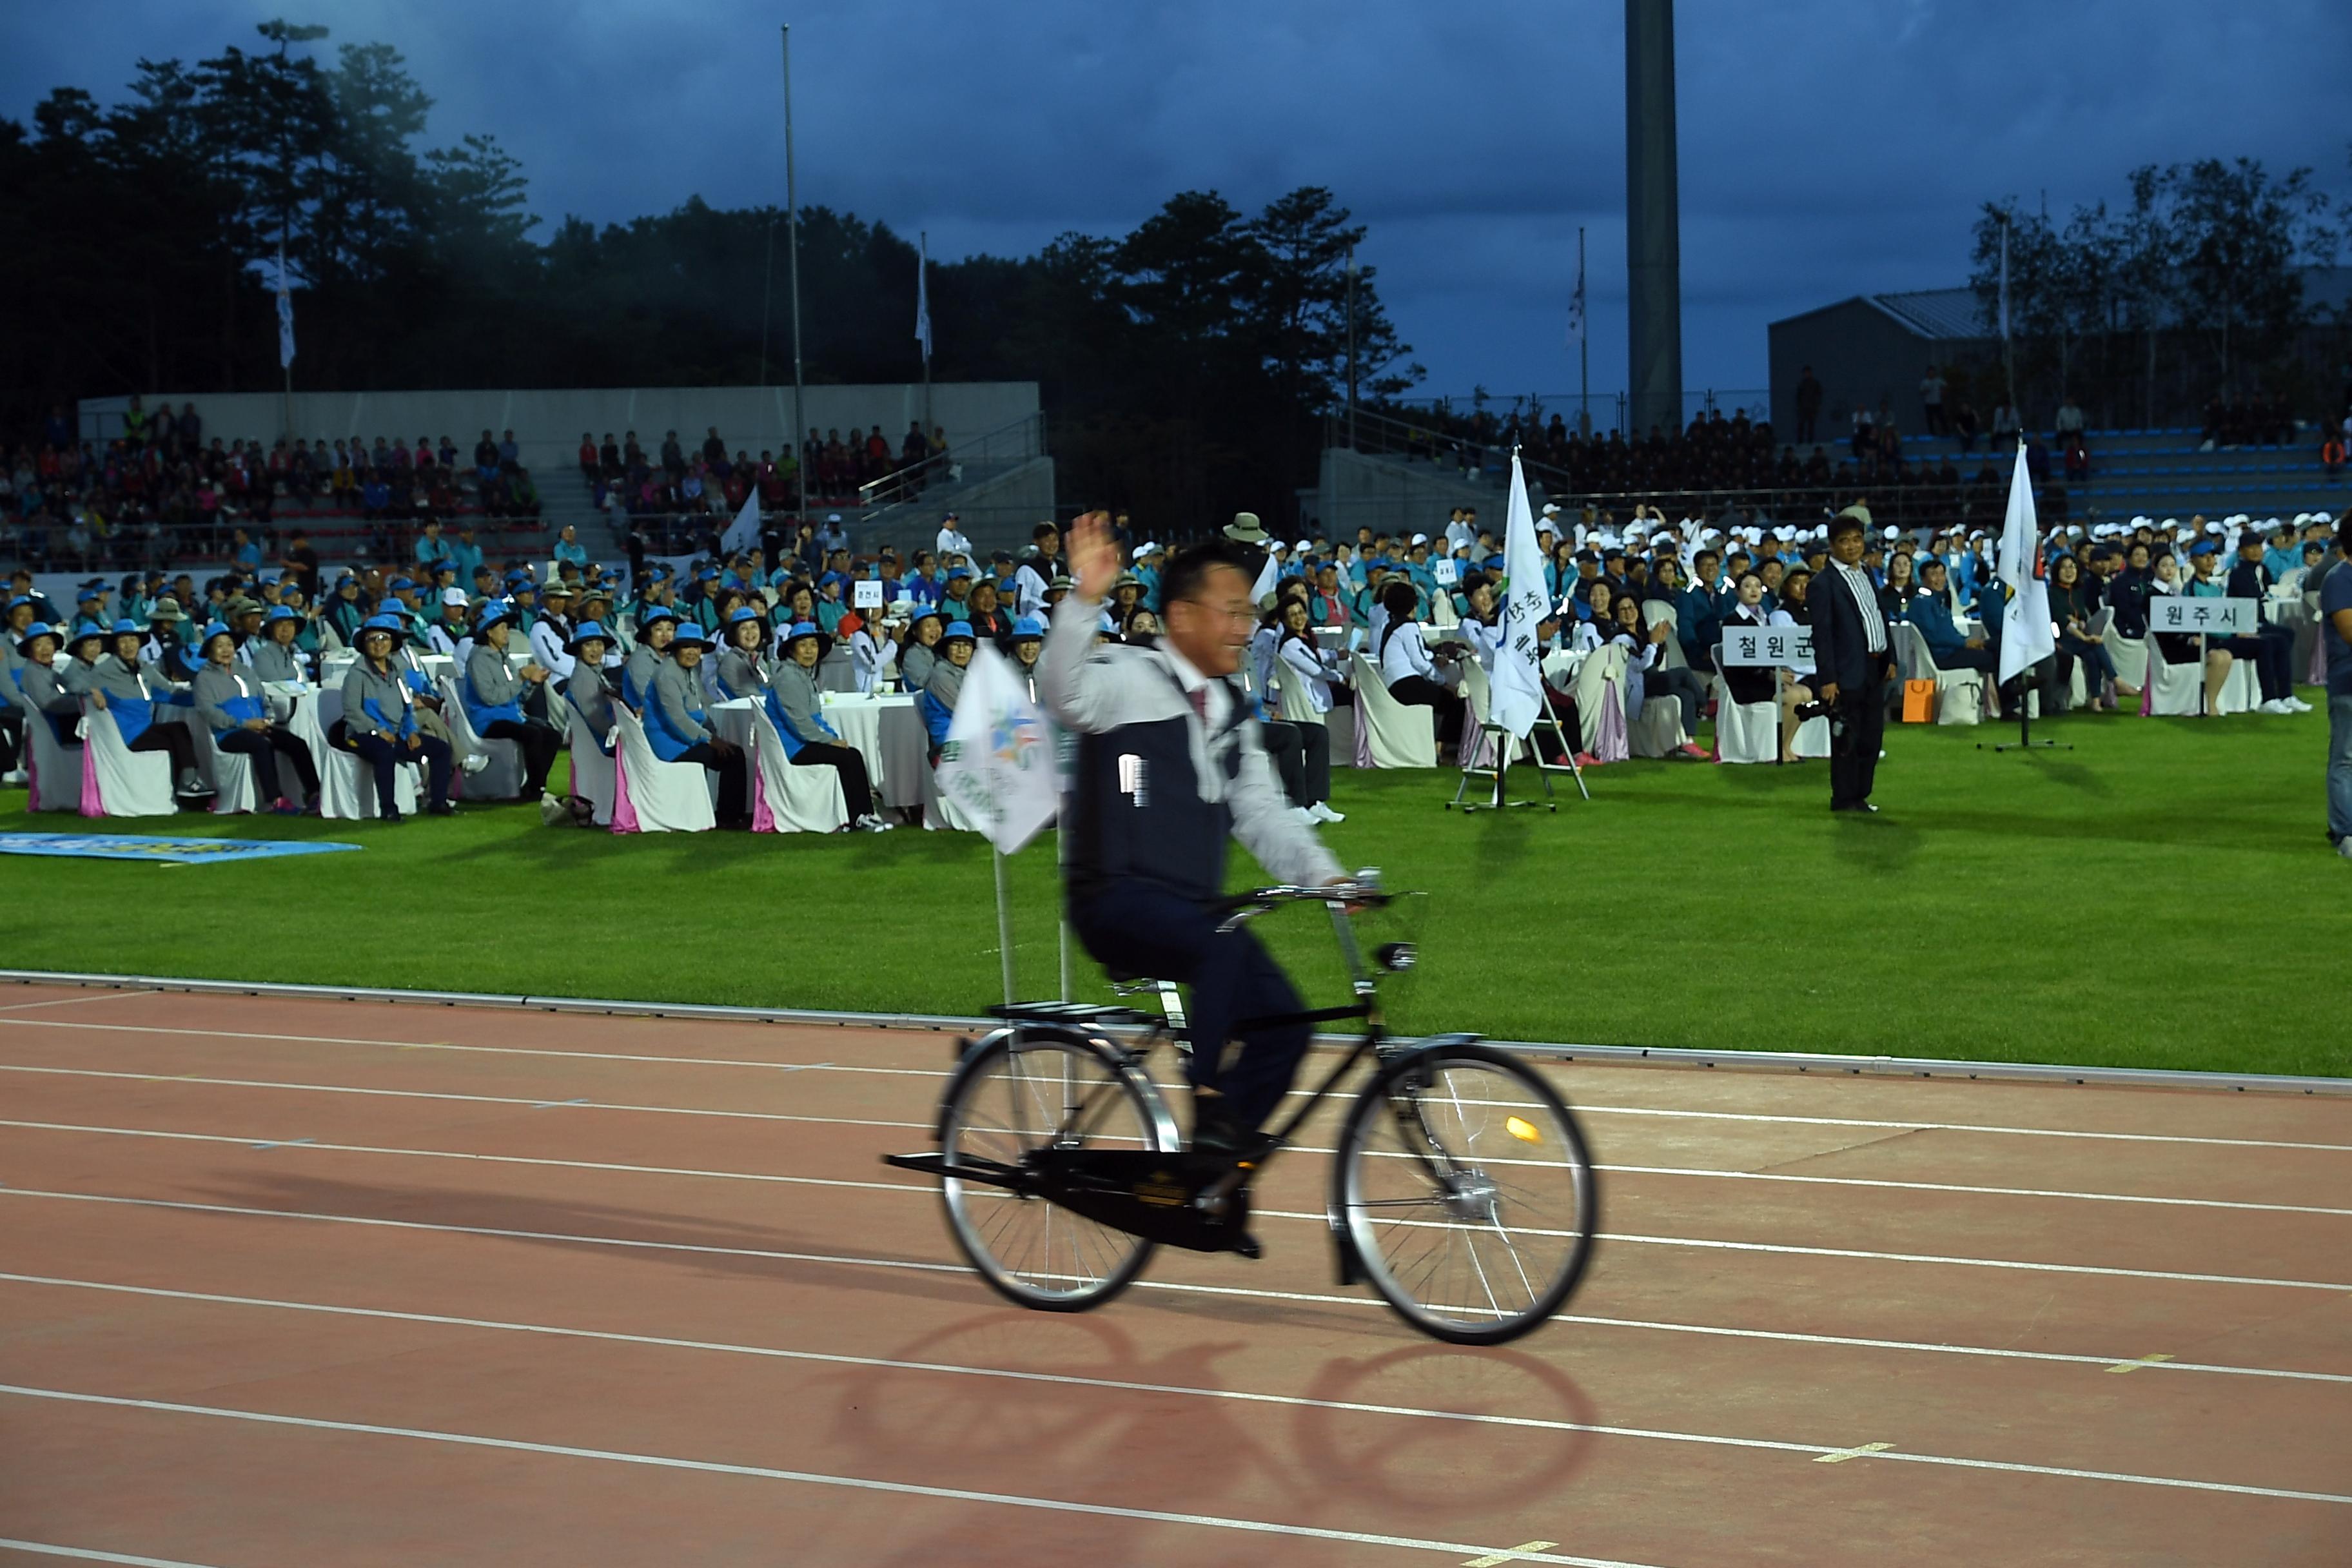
(1183, 366)
(2191, 287)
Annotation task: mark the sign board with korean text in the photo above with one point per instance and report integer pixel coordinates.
(1751, 646)
(865, 594)
(2169, 613)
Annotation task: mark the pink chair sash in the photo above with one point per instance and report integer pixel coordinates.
(625, 811)
(1609, 734)
(93, 803)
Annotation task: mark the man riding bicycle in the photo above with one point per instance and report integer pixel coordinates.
(1170, 766)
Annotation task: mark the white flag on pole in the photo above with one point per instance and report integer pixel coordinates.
(2025, 632)
(923, 298)
(285, 315)
(1269, 577)
(1515, 687)
(743, 533)
(998, 763)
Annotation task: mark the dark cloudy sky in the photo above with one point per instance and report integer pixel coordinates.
(1827, 148)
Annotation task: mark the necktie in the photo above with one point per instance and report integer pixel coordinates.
(1199, 696)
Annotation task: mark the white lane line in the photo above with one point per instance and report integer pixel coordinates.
(1510, 1554)
(806, 1478)
(1860, 1451)
(1239, 1291)
(91, 1554)
(70, 1002)
(1809, 1450)
(1695, 1173)
(1789, 1248)
(766, 1065)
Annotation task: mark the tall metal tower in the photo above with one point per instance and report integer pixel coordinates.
(1653, 222)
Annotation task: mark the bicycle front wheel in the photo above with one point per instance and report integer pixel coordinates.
(1020, 1092)
(1466, 1190)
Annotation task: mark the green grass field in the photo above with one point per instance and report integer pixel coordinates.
(2160, 896)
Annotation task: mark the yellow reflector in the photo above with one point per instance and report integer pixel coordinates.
(1524, 1130)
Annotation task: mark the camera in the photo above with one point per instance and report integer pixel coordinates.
(1815, 709)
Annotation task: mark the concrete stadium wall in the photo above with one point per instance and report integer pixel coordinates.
(547, 422)
(1391, 496)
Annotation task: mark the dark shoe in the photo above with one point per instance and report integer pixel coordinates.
(1246, 1244)
(1214, 1131)
(392, 817)
(440, 808)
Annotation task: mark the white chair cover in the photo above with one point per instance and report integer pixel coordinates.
(1442, 615)
(1389, 733)
(2241, 691)
(1745, 731)
(1812, 739)
(346, 784)
(1959, 694)
(230, 772)
(592, 770)
(940, 813)
(2172, 691)
(1657, 730)
(838, 670)
(2130, 655)
(502, 779)
(117, 781)
(791, 799)
(650, 795)
(1601, 681)
(56, 769)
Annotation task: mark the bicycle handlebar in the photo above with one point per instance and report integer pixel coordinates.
(1362, 890)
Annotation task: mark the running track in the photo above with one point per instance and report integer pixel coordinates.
(301, 1282)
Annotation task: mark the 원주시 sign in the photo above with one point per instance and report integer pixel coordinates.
(2171, 613)
(1767, 644)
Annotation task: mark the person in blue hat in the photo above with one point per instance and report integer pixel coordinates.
(809, 741)
(919, 648)
(656, 628)
(380, 720)
(678, 729)
(12, 718)
(1028, 641)
(587, 687)
(109, 677)
(937, 701)
(274, 655)
(231, 703)
(493, 695)
(41, 680)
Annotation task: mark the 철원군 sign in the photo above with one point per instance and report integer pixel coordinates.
(1767, 645)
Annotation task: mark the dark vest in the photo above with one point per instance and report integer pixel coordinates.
(1136, 811)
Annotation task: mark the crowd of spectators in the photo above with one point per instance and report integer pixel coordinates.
(163, 491)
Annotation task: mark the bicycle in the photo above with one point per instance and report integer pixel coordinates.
(1462, 1191)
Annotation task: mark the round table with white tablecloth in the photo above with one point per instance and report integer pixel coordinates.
(886, 731)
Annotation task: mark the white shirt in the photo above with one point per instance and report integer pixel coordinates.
(1311, 670)
(1028, 590)
(1865, 597)
(951, 543)
(1189, 677)
(547, 649)
(1404, 654)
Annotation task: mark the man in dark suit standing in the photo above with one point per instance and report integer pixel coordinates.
(1852, 658)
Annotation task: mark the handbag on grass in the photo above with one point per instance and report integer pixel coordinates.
(1918, 702)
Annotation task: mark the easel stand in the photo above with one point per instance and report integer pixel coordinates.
(1504, 743)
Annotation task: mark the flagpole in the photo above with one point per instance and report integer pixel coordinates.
(1003, 923)
(792, 216)
(923, 288)
(1583, 343)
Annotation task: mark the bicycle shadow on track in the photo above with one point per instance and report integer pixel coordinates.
(1200, 1451)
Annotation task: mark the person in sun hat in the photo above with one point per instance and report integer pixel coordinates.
(382, 721)
(809, 741)
(677, 726)
(937, 701)
(552, 628)
(231, 703)
(273, 655)
(587, 688)
(42, 680)
(119, 684)
(656, 628)
(493, 695)
(919, 648)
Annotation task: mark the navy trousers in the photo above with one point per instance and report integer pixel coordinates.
(1142, 929)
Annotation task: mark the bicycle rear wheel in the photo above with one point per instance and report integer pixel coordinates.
(1019, 1092)
(1466, 1190)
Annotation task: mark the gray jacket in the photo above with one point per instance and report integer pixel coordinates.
(272, 662)
(637, 671)
(394, 711)
(741, 674)
(675, 691)
(215, 685)
(76, 676)
(915, 664)
(45, 688)
(116, 678)
(946, 682)
(796, 694)
(592, 695)
(1095, 691)
(491, 683)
